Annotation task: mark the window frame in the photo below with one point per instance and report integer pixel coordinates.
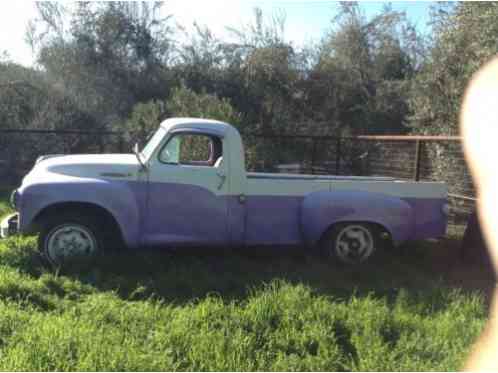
(193, 164)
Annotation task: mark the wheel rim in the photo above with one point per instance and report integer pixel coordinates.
(354, 244)
(69, 242)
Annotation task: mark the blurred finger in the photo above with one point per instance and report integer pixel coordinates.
(479, 127)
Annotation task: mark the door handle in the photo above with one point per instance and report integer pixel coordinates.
(222, 177)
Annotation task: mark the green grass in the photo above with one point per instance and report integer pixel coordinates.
(163, 311)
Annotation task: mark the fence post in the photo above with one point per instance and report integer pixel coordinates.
(121, 142)
(313, 151)
(338, 156)
(101, 144)
(418, 156)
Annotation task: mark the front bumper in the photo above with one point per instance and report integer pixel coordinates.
(9, 225)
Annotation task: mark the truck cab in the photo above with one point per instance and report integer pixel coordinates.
(196, 170)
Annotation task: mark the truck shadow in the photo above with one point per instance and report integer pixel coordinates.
(183, 276)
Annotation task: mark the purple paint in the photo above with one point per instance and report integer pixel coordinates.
(185, 214)
(430, 221)
(182, 214)
(323, 209)
(273, 220)
(124, 201)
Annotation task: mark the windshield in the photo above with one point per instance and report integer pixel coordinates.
(153, 143)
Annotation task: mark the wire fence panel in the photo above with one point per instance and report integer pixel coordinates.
(19, 149)
(444, 161)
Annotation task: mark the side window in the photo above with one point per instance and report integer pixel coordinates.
(171, 152)
(192, 149)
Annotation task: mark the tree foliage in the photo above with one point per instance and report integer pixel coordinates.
(186, 103)
(109, 57)
(116, 65)
(183, 102)
(465, 37)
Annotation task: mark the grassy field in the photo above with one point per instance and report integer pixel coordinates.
(227, 311)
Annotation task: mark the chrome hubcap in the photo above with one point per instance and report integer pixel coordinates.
(354, 244)
(70, 242)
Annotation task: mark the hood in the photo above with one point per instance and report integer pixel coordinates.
(95, 166)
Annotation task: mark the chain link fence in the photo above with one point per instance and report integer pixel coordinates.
(19, 149)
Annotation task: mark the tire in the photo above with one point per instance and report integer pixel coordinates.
(69, 240)
(351, 243)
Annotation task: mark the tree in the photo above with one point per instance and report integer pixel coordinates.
(268, 69)
(143, 121)
(464, 39)
(111, 56)
(186, 103)
(359, 83)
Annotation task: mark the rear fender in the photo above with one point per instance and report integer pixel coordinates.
(320, 210)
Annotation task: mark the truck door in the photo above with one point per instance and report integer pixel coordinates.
(187, 191)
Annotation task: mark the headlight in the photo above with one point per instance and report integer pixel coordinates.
(446, 209)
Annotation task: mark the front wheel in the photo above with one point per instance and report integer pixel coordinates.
(351, 243)
(66, 241)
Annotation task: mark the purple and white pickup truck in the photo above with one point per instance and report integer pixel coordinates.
(189, 187)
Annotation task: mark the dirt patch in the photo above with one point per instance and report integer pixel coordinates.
(460, 266)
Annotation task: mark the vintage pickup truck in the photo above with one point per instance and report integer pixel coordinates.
(189, 187)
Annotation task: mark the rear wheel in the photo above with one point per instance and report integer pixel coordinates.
(70, 240)
(351, 243)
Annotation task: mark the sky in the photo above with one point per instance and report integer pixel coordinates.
(306, 21)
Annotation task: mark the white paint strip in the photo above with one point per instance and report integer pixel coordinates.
(401, 189)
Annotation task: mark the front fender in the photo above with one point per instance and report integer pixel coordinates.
(118, 198)
(322, 209)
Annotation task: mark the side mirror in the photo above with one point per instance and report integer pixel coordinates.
(136, 150)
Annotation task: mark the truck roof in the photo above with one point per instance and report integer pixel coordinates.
(206, 125)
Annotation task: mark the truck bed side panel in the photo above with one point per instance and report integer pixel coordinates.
(273, 209)
(430, 221)
(273, 220)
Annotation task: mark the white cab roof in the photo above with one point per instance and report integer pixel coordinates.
(208, 125)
